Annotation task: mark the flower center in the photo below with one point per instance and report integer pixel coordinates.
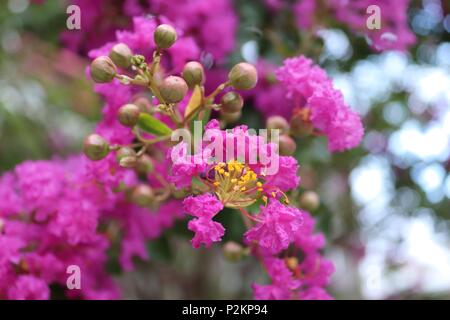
(236, 184)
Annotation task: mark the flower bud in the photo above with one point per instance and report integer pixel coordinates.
(243, 76)
(95, 147)
(193, 73)
(233, 251)
(143, 103)
(138, 60)
(165, 36)
(232, 102)
(126, 157)
(299, 125)
(287, 145)
(173, 89)
(277, 122)
(121, 55)
(129, 114)
(230, 117)
(103, 69)
(143, 195)
(309, 200)
(144, 165)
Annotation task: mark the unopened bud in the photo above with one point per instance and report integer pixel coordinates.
(232, 102)
(243, 76)
(309, 200)
(126, 157)
(230, 117)
(129, 115)
(95, 147)
(193, 73)
(233, 251)
(300, 127)
(103, 69)
(143, 195)
(121, 55)
(143, 103)
(138, 60)
(165, 36)
(173, 89)
(144, 165)
(277, 122)
(287, 145)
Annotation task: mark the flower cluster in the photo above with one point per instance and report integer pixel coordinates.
(295, 278)
(133, 182)
(58, 213)
(303, 94)
(49, 216)
(102, 18)
(277, 229)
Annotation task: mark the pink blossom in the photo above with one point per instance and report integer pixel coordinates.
(286, 177)
(29, 288)
(277, 228)
(304, 13)
(206, 231)
(101, 19)
(308, 86)
(283, 282)
(204, 207)
(315, 293)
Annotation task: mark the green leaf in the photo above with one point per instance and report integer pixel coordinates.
(152, 125)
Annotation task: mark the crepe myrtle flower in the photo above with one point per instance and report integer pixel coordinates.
(302, 93)
(237, 183)
(302, 272)
(233, 169)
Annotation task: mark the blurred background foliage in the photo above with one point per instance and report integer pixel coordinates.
(384, 206)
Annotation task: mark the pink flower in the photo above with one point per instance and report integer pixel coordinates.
(306, 239)
(41, 184)
(202, 20)
(316, 269)
(278, 226)
(29, 288)
(304, 13)
(315, 293)
(308, 87)
(301, 78)
(204, 207)
(186, 167)
(283, 282)
(60, 209)
(286, 177)
(206, 232)
(297, 278)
